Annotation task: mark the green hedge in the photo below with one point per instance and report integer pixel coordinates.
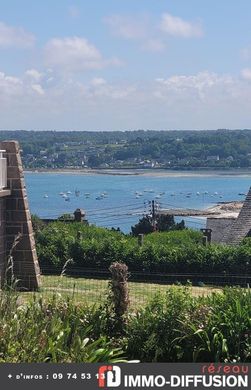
(171, 252)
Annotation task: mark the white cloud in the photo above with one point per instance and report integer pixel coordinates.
(38, 89)
(127, 27)
(75, 54)
(202, 100)
(34, 74)
(72, 52)
(100, 88)
(139, 29)
(176, 26)
(9, 85)
(15, 36)
(98, 81)
(200, 86)
(246, 74)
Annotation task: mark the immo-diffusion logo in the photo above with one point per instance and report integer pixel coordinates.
(109, 376)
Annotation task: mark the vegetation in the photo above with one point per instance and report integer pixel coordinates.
(167, 252)
(178, 327)
(221, 149)
(49, 331)
(162, 223)
(87, 290)
(174, 327)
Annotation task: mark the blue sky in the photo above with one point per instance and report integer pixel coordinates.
(125, 64)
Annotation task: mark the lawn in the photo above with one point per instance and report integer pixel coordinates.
(93, 291)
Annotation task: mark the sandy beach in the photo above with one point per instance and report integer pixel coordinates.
(143, 172)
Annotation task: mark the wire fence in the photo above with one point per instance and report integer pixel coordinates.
(91, 285)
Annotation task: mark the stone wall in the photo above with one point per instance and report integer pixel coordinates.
(2, 240)
(18, 221)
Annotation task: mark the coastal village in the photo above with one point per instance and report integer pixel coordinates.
(157, 150)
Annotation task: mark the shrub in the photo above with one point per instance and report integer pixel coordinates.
(49, 331)
(152, 330)
(167, 252)
(179, 328)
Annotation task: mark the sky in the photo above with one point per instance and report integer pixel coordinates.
(125, 64)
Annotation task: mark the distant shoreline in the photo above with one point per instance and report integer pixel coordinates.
(144, 172)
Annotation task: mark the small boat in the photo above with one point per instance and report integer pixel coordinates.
(242, 194)
(188, 196)
(173, 194)
(157, 196)
(67, 199)
(77, 192)
(99, 197)
(216, 193)
(69, 192)
(46, 196)
(147, 190)
(197, 193)
(61, 193)
(162, 193)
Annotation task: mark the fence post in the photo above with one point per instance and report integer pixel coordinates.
(119, 293)
(140, 239)
(207, 236)
(204, 240)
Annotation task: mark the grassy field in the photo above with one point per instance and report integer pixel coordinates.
(94, 291)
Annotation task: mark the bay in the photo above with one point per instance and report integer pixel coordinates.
(119, 201)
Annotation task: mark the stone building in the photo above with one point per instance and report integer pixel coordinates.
(241, 227)
(15, 222)
(232, 230)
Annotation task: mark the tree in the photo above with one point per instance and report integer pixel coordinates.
(163, 223)
(144, 226)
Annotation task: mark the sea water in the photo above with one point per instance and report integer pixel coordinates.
(119, 201)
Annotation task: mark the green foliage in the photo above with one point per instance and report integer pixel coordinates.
(49, 331)
(152, 330)
(171, 149)
(178, 327)
(175, 327)
(219, 330)
(37, 223)
(167, 252)
(66, 217)
(144, 226)
(163, 223)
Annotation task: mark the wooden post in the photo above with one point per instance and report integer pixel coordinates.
(204, 240)
(140, 239)
(208, 234)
